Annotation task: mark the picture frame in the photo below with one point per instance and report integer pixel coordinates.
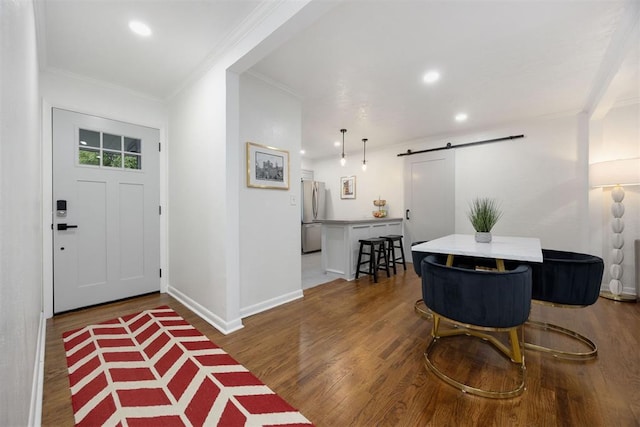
(267, 167)
(348, 187)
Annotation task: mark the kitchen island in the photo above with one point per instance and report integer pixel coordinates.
(340, 241)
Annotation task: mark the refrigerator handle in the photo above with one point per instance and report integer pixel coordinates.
(314, 200)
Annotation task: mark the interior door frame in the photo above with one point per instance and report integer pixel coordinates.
(47, 195)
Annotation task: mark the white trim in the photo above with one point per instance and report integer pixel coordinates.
(257, 16)
(628, 289)
(619, 103)
(47, 205)
(104, 84)
(274, 83)
(35, 409)
(47, 193)
(204, 313)
(270, 303)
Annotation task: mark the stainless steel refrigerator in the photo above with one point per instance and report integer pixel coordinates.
(313, 209)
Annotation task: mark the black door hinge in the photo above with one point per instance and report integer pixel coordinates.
(159, 209)
(159, 146)
(160, 272)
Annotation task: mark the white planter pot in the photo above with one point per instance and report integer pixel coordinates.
(482, 237)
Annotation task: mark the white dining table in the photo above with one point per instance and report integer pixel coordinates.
(500, 248)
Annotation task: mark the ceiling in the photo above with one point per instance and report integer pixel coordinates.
(360, 65)
(91, 38)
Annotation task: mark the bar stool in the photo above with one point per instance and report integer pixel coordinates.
(391, 240)
(376, 250)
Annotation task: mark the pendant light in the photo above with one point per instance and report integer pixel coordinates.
(364, 154)
(343, 161)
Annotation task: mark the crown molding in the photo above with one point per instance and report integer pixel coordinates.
(262, 12)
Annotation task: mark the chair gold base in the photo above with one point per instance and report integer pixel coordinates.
(619, 297)
(560, 354)
(514, 354)
(421, 309)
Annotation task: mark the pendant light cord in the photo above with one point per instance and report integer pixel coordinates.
(342, 159)
(364, 154)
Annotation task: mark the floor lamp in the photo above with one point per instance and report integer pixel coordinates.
(616, 174)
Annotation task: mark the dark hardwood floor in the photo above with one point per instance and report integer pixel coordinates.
(351, 354)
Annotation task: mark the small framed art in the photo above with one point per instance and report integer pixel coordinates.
(267, 167)
(348, 187)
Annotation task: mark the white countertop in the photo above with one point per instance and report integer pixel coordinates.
(357, 221)
(500, 247)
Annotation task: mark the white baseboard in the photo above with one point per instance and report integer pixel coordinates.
(208, 316)
(269, 304)
(626, 289)
(229, 327)
(35, 408)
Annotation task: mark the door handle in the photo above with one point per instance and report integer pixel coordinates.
(406, 214)
(62, 227)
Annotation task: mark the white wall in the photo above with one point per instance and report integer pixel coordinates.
(383, 178)
(269, 222)
(198, 191)
(616, 136)
(207, 173)
(91, 97)
(20, 213)
(540, 180)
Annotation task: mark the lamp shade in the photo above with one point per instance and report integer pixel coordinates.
(615, 172)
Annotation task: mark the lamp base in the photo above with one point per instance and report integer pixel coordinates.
(620, 297)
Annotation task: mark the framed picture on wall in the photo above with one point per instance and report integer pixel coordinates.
(267, 167)
(348, 187)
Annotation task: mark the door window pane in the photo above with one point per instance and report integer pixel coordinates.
(87, 156)
(89, 138)
(131, 145)
(131, 161)
(109, 150)
(110, 159)
(111, 142)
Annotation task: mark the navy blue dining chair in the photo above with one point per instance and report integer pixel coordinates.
(476, 302)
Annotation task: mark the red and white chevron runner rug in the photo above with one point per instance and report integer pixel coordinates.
(154, 369)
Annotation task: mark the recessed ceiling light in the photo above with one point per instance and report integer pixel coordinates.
(302, 151)
(140, 28)
(431, 77)
(83, 142)
(461, 117)
(336, 144)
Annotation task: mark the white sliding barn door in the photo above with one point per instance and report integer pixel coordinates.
(429, 196)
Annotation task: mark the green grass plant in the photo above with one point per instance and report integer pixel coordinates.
(484, 213)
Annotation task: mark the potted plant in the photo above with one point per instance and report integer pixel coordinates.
(483, 214)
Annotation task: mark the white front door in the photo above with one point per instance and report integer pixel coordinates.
(106, 225)
(429, 196)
